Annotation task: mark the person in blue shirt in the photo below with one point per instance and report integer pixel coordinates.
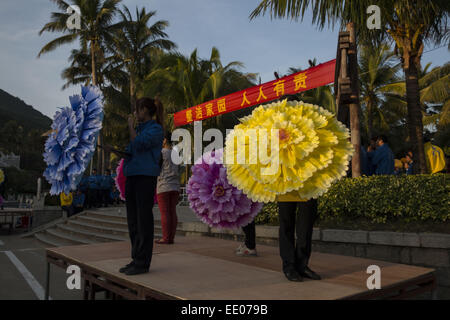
(84, 186)
(115, 195)
(382, 158)
(78, 202)
(141, 168)
(364, 162)
(93, 192)
(370, 149)
(106, 184)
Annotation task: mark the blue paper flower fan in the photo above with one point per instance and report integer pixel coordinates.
(72, 143)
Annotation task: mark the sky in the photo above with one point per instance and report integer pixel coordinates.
(262, 45)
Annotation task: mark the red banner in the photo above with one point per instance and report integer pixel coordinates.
(311, 78)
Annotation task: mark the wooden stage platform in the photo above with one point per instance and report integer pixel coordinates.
(198, 268)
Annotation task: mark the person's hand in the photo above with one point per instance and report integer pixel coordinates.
(131, 121)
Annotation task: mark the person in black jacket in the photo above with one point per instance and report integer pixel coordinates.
(297, 218)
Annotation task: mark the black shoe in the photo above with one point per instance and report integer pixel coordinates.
(134, 270)
(308, 273)
(293, 275)
(128, 266)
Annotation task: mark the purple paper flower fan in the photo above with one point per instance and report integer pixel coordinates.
(216, 202)
(71, 145)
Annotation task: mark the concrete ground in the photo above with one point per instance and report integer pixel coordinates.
(23, 270)
(23, 266)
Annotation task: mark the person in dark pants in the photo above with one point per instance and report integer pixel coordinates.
(78, 202)
(248, 248)
(168, 193)
(382, 158)
(141, 167)
(93, 191)
(106, 184)
(297, 218)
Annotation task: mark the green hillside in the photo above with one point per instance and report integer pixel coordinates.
(12, 108)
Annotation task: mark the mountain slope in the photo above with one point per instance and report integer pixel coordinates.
(12, 108)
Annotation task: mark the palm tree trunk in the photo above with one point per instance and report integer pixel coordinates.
(415, 125)
(93, 67)
(369, 120)
(100, 137)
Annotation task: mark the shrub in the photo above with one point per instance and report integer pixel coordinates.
(381, 199)
(268, 214)
(384, 198)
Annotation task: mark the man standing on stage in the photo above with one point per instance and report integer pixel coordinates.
(297, 218)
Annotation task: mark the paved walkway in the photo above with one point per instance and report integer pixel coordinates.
(22, 264)
(22, 276)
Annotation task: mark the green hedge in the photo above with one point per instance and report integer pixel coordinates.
(380, 199)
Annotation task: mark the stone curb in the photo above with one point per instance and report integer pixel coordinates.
(394, 238)
(349, 236)
(401, 239)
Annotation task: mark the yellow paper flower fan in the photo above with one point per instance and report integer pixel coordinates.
(313, 150)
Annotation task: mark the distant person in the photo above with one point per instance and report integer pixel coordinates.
(78, 202)
(382, 158)
(94, 187)
(115, 195)
(408, 163)
(168, 193)
(84, 184)
(106, 185)
(66, 202)
(1, 202)
(365, 170)
(371, 148)
(398, 167)
(434, 157)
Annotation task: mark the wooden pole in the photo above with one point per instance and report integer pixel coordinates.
(354, 106)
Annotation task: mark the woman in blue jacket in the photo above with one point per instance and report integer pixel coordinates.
(141, 167)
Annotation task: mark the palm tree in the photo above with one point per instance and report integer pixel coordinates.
(377, 69)
(136, 43)
(96, 27)
(187, 82)
(409, 23)
(434, 90)
(322, 96)
(79, 71)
